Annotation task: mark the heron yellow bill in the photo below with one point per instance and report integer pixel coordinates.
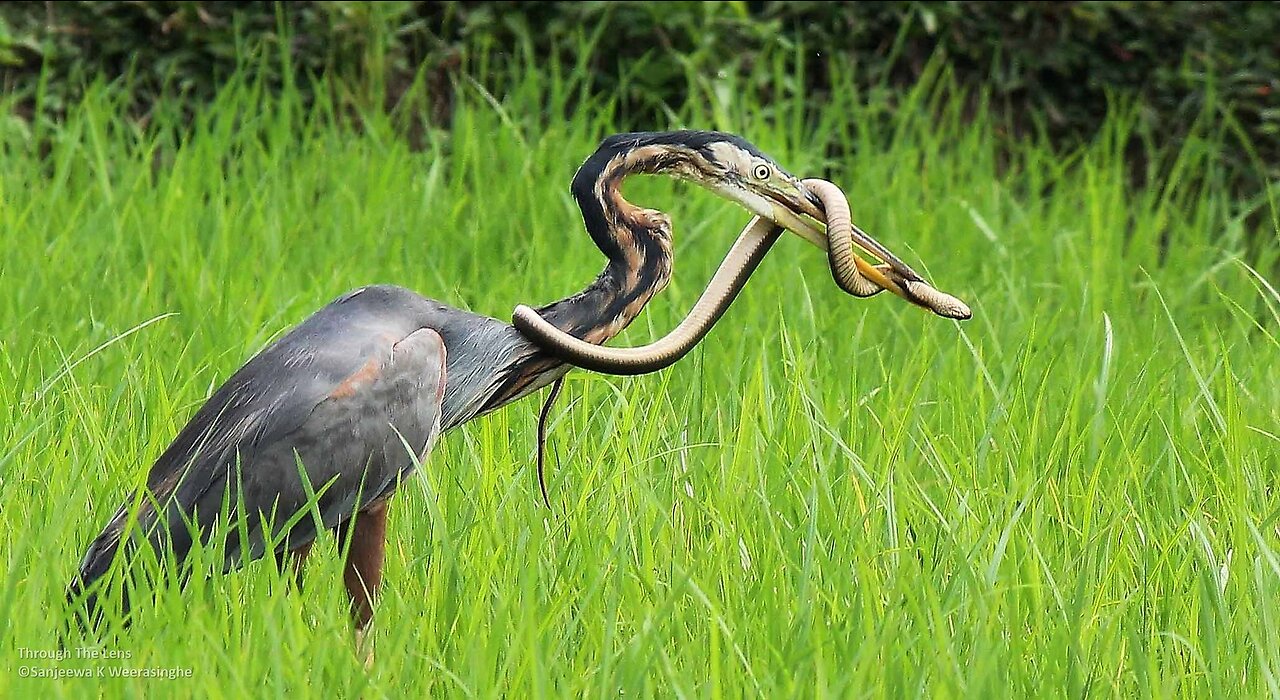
(793, 222)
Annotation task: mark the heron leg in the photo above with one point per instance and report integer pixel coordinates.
(365, 555)
(298, 558)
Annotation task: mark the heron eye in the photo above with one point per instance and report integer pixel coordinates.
(762, 172)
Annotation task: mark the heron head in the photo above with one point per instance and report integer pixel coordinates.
(735, 169)
(728, 165)
(731, 167)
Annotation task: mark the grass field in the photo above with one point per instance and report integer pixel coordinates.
(1073, 494)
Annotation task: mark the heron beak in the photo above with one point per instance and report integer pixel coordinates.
(789, 210)
(790, 215)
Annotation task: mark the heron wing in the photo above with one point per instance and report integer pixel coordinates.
(355, 445)
(349, 399)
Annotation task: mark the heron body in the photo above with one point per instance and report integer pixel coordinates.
(354, 397)
(342, 408)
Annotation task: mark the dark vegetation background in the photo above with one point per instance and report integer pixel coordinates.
(1050, 70)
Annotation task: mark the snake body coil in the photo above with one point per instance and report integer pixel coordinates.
(738, 265)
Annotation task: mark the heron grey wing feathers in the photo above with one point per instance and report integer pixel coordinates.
(272, 396)
(352, 448)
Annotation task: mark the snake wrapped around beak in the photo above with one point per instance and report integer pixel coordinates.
(851, 272)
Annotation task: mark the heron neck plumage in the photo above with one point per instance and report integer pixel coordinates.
(637, 245)
(636, 242)
(613, 300)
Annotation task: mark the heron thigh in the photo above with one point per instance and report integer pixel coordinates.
(366, 553)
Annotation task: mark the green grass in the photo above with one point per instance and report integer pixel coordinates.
(1073, 494)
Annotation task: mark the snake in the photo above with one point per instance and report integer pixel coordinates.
(728, 281)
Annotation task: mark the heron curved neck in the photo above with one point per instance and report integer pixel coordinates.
(636, 241)
(613, 300)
